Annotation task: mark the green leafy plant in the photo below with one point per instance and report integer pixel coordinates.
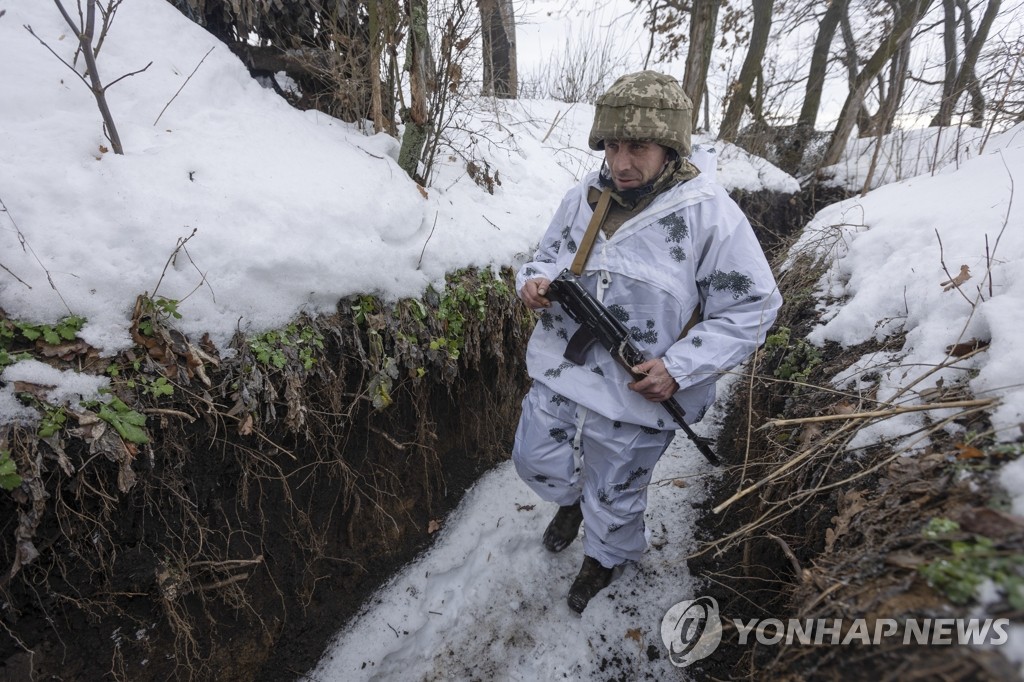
(128, 423)
(53, 420)
(792, 361)
(157, 308)
(9, 478)
(11, 330)
(155, 387)
(970, 563)
(272, 348)
(366, 305)
(8, 358)
(462, 296)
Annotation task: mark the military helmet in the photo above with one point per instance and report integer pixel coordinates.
(644, 106)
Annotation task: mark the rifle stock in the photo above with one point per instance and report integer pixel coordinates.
(598, 325)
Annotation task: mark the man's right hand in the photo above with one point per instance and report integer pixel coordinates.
(533, 293)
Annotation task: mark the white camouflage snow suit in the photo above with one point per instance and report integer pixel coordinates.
(583, 432)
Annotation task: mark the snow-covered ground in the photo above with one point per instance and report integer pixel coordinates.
(487, 601)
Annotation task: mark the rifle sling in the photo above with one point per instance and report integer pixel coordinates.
(600, 211)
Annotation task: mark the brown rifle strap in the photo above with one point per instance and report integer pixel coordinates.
(591, 234)
(695, 317)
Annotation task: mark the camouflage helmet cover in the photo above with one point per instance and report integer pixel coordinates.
(646, 105)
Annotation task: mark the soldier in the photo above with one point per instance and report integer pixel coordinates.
(676, 261)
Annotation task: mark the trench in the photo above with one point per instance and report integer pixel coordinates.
(271, 499)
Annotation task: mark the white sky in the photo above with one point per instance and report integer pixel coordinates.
(294, 210)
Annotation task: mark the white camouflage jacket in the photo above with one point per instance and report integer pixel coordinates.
(692, 245)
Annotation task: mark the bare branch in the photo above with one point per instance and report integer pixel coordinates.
(183, 84)
(41, 42)
(120, 78)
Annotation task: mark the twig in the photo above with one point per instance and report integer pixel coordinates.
(25, 246)
(171, 413)
(229, 562)
(62, 60)
(224, 583)
(170, 259)
(794, 562)
(952, 280)
(878, 413)
(394, 443)
(15, 276)
(182, 85)
(424, 249)
(558, 115)
(131, 73)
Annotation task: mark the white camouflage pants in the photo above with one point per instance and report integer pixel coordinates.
(565, 452)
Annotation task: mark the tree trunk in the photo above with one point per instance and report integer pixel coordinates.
(898, 69)
(949, 22)
(819, 65)
(909, 15)
(703, 19)
(739, 97)
(420, 65)
(792, 156)
(963, 79)
(376, 39)
(498, 30)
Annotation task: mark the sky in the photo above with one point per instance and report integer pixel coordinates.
(287, 212)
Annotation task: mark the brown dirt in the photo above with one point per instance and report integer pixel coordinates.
(843, 536)
(266, 507)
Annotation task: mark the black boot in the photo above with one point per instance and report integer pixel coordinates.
(563, 528)
(592, 578)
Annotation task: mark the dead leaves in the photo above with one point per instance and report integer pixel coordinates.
(180, 358)
(850, 504)
(955, 282)
(104, 439)
(964, 348)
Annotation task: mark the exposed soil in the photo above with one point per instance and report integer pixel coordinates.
(844, 536)
(267, 506)
(274, 497)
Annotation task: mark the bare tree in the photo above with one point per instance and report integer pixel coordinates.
(961, 78)
(739, 95)
(498, 29)
(908, 14)
(703, 20)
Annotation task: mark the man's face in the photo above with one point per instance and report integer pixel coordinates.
(634, 163)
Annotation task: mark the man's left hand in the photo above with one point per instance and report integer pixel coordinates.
(658, 385)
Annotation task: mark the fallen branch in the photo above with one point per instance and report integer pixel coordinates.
(878, 413)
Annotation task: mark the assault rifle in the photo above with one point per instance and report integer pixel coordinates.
(598, 325)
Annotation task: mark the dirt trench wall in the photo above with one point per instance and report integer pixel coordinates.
(279, 487)
(268, 504)
(830, 534)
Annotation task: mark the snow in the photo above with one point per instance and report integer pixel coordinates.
(283, 212)
(487, 601)
(894, 251)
